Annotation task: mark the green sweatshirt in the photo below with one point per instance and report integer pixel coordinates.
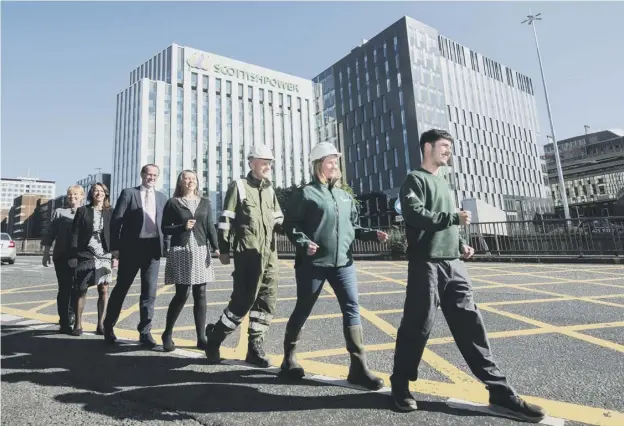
(430, 216)
(328, 217)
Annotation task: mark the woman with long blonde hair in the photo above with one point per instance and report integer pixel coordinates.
(322, 222)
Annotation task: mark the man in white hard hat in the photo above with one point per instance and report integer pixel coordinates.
(247, 226)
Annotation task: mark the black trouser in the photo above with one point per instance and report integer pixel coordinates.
(65, 299)
(445, 284)
(199, 308)
(144, 255)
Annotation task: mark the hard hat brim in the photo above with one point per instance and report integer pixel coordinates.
(338, 154)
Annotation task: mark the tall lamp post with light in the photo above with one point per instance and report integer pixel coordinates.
(564, 198)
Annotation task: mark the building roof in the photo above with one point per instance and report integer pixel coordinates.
(29, 179)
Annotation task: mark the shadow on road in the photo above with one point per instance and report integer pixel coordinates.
(103, 376)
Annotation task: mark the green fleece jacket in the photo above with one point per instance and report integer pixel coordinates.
(431, 217)
(327, 216)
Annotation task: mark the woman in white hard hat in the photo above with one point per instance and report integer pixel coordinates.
(322, 222)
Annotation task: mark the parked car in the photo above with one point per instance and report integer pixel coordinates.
(8, 250)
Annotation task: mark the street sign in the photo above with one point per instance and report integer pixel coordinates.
(397, 206)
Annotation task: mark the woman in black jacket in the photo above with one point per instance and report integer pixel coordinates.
(188, 219)
(90, 253)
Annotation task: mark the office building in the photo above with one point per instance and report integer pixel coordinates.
(88, 181)
(189, 109)
(14, 187)
(28, 217)
(593, 171)
(376, 102)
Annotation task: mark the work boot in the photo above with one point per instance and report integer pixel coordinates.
(290, 368)
(358, 371)
(401, 395)
(215, 336)
(256, 355)
(515, 407)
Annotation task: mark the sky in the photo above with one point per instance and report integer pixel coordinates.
(64, 63)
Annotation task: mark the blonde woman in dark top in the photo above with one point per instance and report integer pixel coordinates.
(59, 233)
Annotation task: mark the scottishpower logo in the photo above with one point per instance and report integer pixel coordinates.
(201, 62)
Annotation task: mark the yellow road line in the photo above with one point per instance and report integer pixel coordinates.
(551, 299)
(42, 306)
(435, 361)
(135, 308)
(12, 290)
(385, 278)
(534, 275)
(311, 317)
(477, 393)
(557, 329)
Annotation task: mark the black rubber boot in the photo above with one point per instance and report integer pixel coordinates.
(358, 371)
(290, 368)
(215, 335)
(256, 355)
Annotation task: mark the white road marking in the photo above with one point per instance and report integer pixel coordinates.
(481, 408)
(30, 326)
(27, 322)
(8, 317)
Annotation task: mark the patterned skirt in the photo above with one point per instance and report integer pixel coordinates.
(189, 265)
(94, 266)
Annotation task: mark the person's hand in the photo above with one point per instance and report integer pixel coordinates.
(224, 259)
(190, 223)
(72, 263)
(115, 263)
(46, 259)
(218, 253)
(312, 248)
(465, 217)
(467, 251)
(382, 236)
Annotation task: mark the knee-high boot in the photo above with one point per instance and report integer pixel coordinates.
(290, 368)
(359, 373)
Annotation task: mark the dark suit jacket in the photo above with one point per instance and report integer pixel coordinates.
(127, 220)
(82, 230)
(177, 214)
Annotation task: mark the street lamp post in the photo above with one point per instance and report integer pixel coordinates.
(564, 198)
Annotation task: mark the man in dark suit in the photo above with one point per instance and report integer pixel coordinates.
(137, 241)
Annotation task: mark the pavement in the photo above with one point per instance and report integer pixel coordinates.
(557, 331)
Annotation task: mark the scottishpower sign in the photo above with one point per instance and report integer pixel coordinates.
(201, 62)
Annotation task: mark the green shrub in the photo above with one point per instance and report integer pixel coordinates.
(397, 241)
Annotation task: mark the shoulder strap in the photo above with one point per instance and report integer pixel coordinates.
(240, 184)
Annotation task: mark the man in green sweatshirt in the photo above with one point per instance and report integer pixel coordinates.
(437, 277)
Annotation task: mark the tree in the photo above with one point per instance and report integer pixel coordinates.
(284, 194)
(350, 191)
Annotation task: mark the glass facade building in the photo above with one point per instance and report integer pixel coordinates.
(188, 109)
(374, 104)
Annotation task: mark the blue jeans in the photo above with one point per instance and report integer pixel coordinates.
(310, 280)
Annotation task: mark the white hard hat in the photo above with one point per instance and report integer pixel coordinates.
(322, 150)
(260, 151)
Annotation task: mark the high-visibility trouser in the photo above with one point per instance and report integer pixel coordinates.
(255, 293)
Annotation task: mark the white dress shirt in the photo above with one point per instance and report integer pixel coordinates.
(150, 227)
